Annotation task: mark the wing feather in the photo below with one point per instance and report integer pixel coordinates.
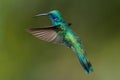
(47, 34)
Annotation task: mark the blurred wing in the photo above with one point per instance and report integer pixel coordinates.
(48, 34)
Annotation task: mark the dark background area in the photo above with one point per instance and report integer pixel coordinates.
(24, 57)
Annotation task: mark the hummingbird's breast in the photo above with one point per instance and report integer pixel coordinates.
(71, 37)
(74, 42)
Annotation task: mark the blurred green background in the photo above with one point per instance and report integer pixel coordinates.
(24, 57)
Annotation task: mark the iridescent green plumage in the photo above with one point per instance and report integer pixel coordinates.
(61, 33)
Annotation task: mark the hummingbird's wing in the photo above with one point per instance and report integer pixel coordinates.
(48, 34)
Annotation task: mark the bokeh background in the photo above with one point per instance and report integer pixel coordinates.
(24, 57)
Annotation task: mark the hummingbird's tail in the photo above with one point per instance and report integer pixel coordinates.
(85, 63)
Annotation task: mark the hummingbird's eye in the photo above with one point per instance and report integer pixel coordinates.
(55, 18)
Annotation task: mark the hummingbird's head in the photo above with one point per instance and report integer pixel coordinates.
(54, 15)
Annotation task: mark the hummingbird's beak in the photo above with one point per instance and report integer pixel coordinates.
(44, 14)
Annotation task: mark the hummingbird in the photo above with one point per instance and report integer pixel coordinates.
(61, 33)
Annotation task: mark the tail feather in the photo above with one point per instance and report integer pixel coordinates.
(83, 60)
(85, 63)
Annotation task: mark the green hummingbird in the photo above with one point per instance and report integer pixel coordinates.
(61, 33)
